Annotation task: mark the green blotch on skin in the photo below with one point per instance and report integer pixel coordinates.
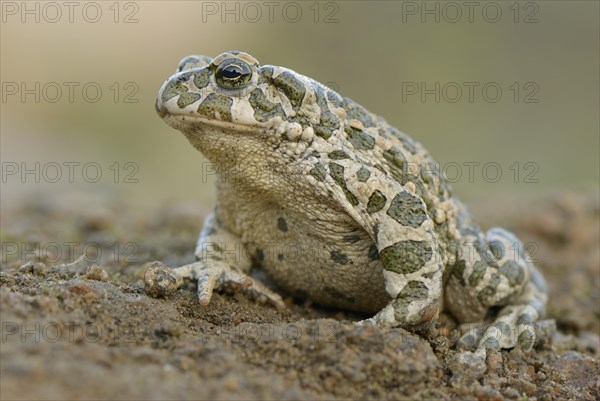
(483, 250)
(490, 290)
(513, 272)
(476, 276)
(524, 318)
(503, 327)
(323, 132)
(395, 157)
(266, 74)
(373, 253)
(526, 340)
(187, 98)
(413, 291)
(339, 257)
(406, 256)
(338, 155)
(337, 173)
(497, 249)
(215, 103)
(377, 202)
(328, 121)
(407, 210)
(458, 271)
(299, 118)
(201, 78)
(293, 89)
(280, 257)
(363, 174)
(359, 138)
(263, 108)
(282, 224)
(260, 255)
(396, 161)
(318, 171)
(357, 112)
(176, 87)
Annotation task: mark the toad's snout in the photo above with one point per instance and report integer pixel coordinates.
(160, 108)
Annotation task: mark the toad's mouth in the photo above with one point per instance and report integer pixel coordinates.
(196, 124)
(191, 123)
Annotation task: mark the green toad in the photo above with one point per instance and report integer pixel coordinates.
(337, 206)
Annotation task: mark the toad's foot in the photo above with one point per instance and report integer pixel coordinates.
(515, 326)
(508, 331)
(524, 336)
(161, 280)
(516, 323)
(495, 271)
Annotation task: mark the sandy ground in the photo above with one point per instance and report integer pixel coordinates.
(87, 330)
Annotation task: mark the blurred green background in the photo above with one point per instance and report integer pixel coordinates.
(543, 55)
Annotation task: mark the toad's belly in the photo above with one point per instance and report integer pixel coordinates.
(336, 267)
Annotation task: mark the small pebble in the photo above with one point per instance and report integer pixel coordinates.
(159, 281)
(97, 273)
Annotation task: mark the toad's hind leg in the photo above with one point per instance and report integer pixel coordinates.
(412, 264)
(496, 271)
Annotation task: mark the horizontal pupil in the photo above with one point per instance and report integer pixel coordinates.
(232, 73)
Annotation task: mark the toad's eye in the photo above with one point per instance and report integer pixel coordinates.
(233, 74)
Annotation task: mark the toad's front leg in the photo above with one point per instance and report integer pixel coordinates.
(221, 264)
